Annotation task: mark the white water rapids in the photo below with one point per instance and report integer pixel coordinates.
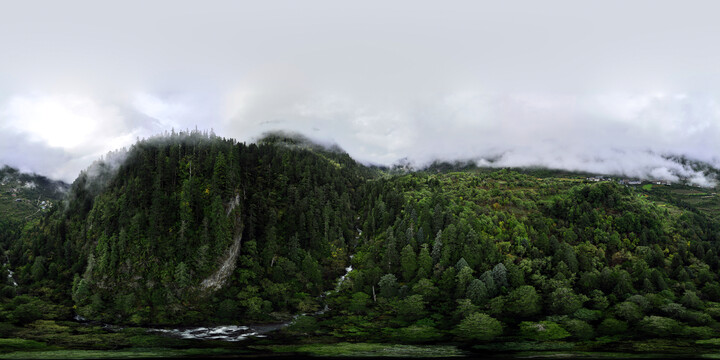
(225, 333)
(11, 274)
(11, 278)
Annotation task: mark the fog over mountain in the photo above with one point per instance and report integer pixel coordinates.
(605, 86)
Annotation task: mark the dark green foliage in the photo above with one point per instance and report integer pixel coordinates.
(424, 263)
(629, 312)
(426, 288)
(587, 315)
(565, 301)
(478, 327)
(579, 329)
(477, 292)
(412, 308)
(517, 247)
(25, 200)
(417, 333)
(612, 327)
(359, 303)
(523, 302)
(388, 286)
(26, 313)
(691, 300)
(408, 261)
(434, 253)
(542, 331)
(698, 332)
(167, 217)
(659, 326)
(303, 325)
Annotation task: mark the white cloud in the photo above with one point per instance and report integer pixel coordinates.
(546, 83)
(596, 133)
(59, 121)
(59, 135)
(604, 134)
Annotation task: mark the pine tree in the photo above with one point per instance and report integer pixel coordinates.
(490, 285)
(477, 292)
(464, 277)
(499, 273)
(437, 247)
(408, 261)
(391, 255)
(424, 263)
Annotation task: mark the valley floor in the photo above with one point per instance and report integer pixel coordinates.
(72, 340)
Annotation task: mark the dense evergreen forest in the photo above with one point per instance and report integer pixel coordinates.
(192, 228)
(482, 255)
(189, 228)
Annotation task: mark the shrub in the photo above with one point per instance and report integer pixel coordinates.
(712, 292)
(629, 311)
(656, 301)
(641, 301)
(695, 317)
(412, 307)
(691, 300)
(7, 345)
(359, 302)
(599, 300)
(464, 308)
(26, 313)
(388, 286)
(6, 329)
(659, 326)
(612, 326)
(698, 332)
(417, 334)
(523, 302)
(303, 325)
(496, 306)
(713, 311)
(579, 329)
(673, 310)
(588, 315)
(479, 326)
(227, 310)
(542, 331)
(565, 301)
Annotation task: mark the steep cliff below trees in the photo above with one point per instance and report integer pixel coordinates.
(216, 281)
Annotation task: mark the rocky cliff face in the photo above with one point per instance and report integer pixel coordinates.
(216, 281)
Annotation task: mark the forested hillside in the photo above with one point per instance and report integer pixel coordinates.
(24, 200)
(479, 255)
(24, 197)
(189, 228)
(192, 228)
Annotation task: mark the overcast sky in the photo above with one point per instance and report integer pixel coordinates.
(602, 86)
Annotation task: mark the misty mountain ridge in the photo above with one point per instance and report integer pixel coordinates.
(679, 169)
(17, 179)
(675, 168)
